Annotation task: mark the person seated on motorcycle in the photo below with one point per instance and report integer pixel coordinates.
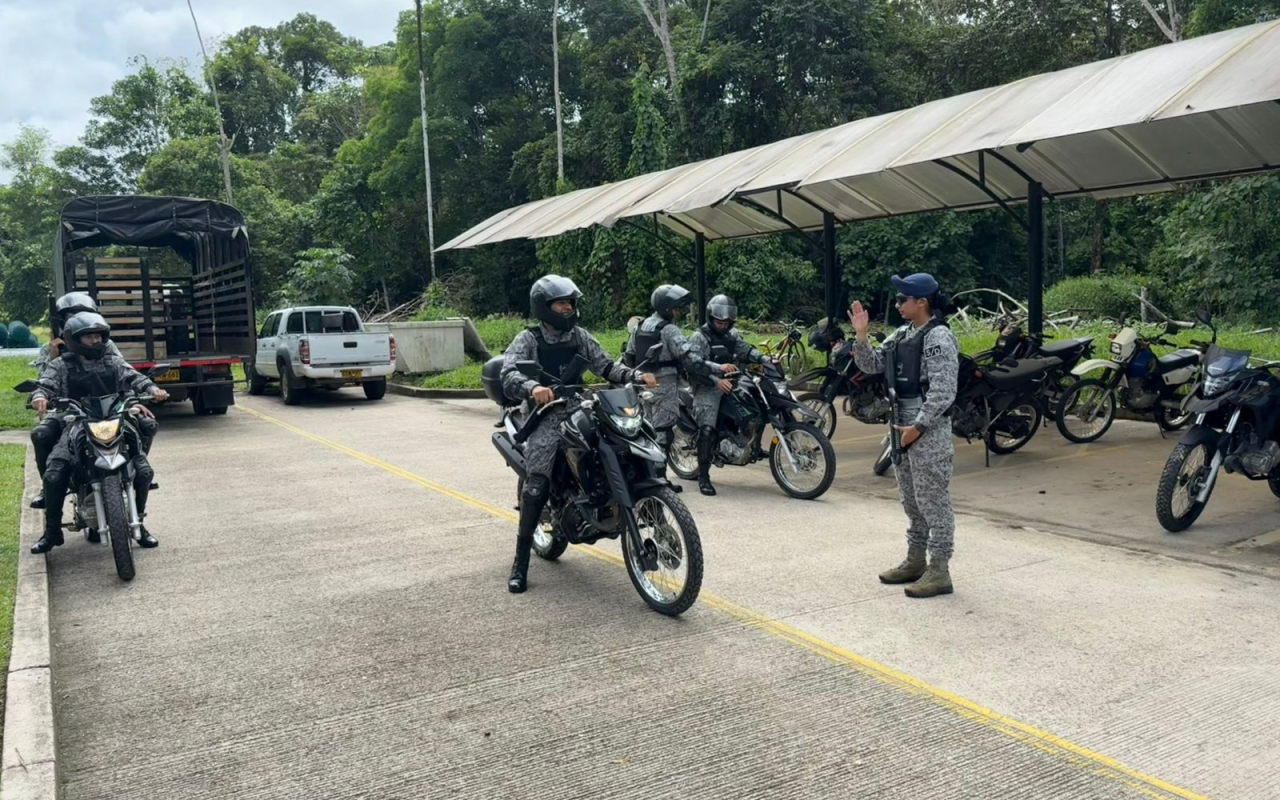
(553, 342)
(46, 432)
(669, 306)
(722, 314)
(86, 370)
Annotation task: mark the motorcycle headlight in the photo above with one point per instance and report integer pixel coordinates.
(1213, 386)
(782, 388)
(105, 432)
(627, 425)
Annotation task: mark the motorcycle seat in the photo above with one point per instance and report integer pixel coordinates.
(1008, 377)
(1064, 347)
(1177, 360)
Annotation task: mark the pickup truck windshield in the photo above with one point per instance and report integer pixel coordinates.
(332, 322)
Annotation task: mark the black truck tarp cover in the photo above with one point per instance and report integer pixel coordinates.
(205, 233)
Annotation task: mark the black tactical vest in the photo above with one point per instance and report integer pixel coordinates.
(642, 340)
(82, 383)
(910, 382)
(717, 339)
(558, 359)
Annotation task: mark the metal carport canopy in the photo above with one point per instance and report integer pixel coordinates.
(1203, 108)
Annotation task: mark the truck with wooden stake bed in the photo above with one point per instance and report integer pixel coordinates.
(173, 277)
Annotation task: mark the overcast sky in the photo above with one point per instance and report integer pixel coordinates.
(57, 54)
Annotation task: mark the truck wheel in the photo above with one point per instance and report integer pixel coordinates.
(218, 410)
(375, 390)
(257, 383)
(197, 404)
(290, 391)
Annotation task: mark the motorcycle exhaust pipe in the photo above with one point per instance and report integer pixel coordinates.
(514, 458)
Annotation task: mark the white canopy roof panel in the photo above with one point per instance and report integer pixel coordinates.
(1203, 108)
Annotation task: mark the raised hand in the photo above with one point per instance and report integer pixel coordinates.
(860, 319)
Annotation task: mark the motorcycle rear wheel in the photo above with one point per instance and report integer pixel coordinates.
(1002, 442)
(548, 544)
(683, 455)
(667, 531)
(118, 521)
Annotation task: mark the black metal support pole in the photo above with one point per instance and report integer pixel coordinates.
(830, 265)
(1035, 258)
(700, 274)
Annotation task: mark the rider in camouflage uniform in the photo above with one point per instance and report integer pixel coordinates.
(46, 433)
(553, 342)
(669, 303)
(722, 314)
(927, 358)
(87, 370)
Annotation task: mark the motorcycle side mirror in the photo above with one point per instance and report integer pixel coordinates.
(27, 387)
(158, 369)
(529, 369)
(653, 352)
(1204, 317)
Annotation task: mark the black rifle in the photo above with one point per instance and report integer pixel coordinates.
(891, 387)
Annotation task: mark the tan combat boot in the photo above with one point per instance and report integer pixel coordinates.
(909, 570)
(936, 580)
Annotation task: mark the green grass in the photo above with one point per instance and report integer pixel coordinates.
(497, 333)
(14, 414)
(1263, 345)
(12, 460)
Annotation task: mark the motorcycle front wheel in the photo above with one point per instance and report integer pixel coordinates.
(113, 500)
(815, 461)
(1184, 476)
(825, 411)
(1086, 411)
(669, 536)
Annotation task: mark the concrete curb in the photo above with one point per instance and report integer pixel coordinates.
(436, 394)
(30, 766)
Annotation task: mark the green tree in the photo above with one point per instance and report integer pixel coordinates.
(320, 276)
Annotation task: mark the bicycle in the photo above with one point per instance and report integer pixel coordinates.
(790, 351)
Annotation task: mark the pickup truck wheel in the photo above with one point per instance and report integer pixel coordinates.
(290, 391)
(257, 383)
(375, 390)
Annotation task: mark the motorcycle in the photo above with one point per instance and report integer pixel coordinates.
(608, 482)
(1014, 343)
(1237, 411)
(864, 394)
(1135, 378)
(104, 441)
(801, 458)
(996, 402)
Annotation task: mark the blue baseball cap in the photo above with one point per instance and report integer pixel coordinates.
(921, 284)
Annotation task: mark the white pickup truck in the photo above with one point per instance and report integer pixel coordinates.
(323, 347)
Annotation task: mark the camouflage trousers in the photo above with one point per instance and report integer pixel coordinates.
(706, 405)
(664, 408)
(924, 481)
(542, 445)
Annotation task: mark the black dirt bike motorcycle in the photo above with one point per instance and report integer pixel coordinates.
(1237, 429)
(104, 442)
(864, 394)
(1016, 344)
(999, 403)
(801, 458)
(608, 482)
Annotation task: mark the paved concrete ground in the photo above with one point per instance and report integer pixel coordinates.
(327, 617)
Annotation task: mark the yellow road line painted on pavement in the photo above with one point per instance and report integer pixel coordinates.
(1091, 760)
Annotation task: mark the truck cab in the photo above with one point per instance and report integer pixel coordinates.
(320, 347)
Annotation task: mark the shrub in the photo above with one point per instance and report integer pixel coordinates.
(1102, 296)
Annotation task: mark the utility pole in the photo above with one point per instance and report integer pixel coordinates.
(217, 106)
(426, 149)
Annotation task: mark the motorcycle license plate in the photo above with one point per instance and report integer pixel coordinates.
(352, 373)
(172, 376)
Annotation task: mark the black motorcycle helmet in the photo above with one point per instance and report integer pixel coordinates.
(722, 308)
(668, 297)
(70, 304)
(79, 326)
(547, 290)
(825, 334)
